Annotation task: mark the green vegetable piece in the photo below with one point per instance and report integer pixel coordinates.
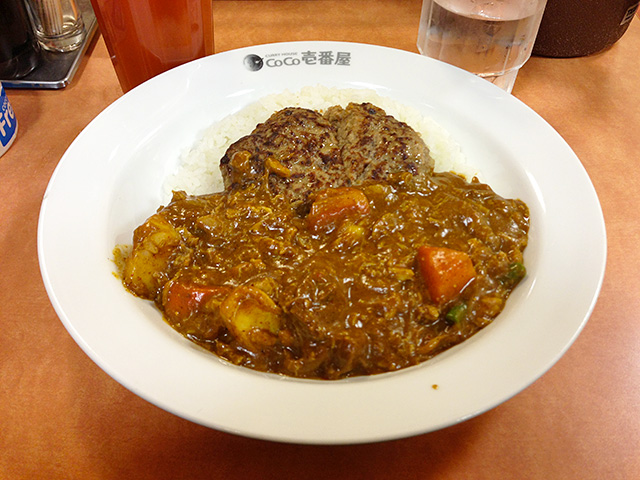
(516, 272)
(457, 313)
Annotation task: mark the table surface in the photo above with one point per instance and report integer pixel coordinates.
(61, 416)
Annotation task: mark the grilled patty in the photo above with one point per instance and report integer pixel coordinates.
(302, 150)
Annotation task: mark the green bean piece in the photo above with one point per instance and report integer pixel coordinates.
(457, 313)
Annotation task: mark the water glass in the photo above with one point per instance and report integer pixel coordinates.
(490, 38)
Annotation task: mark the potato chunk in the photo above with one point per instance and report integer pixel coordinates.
(251, 316)
(154, 245)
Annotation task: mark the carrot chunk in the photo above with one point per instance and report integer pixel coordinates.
(333, 205)
(183, 298)
(445, 271)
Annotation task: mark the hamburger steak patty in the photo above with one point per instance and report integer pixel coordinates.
(303, 150)
(374, 145)
(297, 146)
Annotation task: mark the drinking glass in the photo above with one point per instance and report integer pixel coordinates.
(58, 24)
(148, 37)
(490, 38)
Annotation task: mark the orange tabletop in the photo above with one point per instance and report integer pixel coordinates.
(62, 417)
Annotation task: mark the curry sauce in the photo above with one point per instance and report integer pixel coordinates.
(364, 279)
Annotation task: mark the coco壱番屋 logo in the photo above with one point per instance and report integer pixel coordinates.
(255, 62)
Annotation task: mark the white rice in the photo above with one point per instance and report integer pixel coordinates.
(198, 169)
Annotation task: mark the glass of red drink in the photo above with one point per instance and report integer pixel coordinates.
(148, 37)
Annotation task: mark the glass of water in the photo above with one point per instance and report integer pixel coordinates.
(490, 38)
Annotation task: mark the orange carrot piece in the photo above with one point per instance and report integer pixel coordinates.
(333, 205)
(445, 271)
(183, 298)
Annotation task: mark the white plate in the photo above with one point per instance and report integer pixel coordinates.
(111, 179)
